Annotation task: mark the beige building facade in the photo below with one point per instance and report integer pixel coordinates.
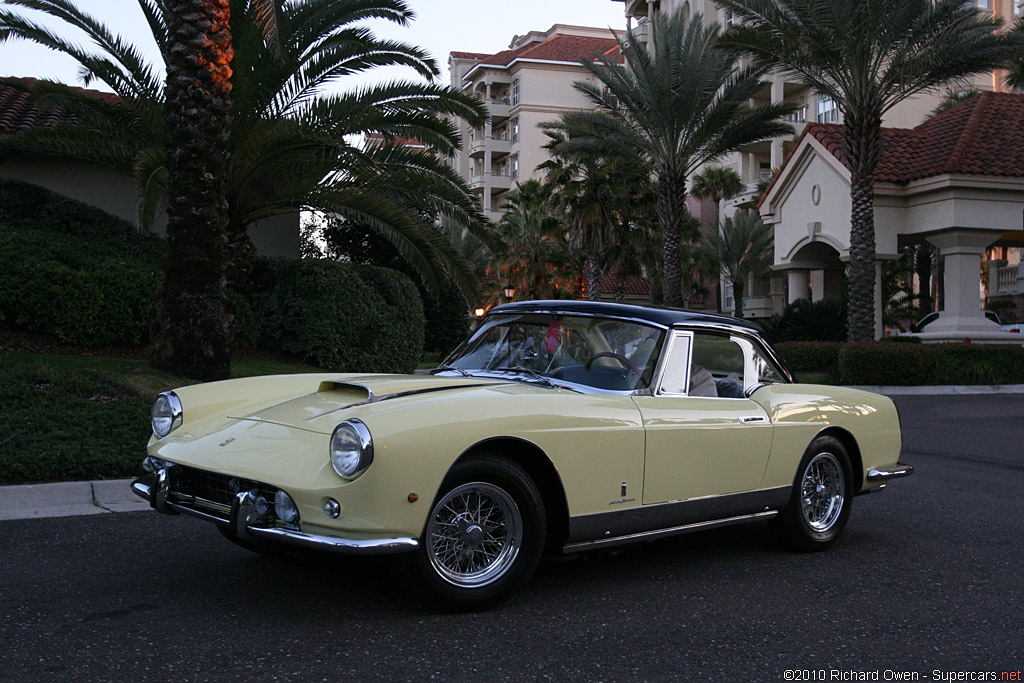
(809, 259)
(524, 86)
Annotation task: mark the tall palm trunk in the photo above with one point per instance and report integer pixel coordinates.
(190, 321)
(862, 144)
(737, 297)
(671, 208)
(592, 277)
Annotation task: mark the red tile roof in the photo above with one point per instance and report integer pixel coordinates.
(557, 48)
(397, 141)
(982, 136)
(470, 55)
(633, 285)
(18, 113)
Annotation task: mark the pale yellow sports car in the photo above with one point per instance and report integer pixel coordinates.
(558, 427)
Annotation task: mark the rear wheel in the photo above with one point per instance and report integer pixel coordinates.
(483, 538)
(820, 503)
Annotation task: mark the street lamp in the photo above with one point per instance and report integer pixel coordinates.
(509, 291)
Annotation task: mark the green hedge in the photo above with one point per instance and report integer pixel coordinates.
(906, 364)
(912, 364)
(805, 356)
(339, 316)
(83, 296)
(30, 207)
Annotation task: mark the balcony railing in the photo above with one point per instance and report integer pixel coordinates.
(1010, 280)
(498, 146)
(499, 109)
(497, 181)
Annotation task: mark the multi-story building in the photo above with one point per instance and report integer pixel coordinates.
(757, 162)
(528, 84)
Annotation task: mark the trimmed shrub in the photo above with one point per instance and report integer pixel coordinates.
(910, 364)
(30, 207)
(885, 364)
(339, 316)
(811, 356)
(447, 320)
(84, 297)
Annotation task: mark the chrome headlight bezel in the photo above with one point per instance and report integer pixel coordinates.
(352, 460)
(170, 414)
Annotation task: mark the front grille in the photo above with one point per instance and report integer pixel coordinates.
(214, 492)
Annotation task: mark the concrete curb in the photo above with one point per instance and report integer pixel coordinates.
(68, 499)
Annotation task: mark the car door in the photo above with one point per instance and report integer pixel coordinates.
(703, 437)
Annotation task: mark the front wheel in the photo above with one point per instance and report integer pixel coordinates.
(483, 538)
(820, 503)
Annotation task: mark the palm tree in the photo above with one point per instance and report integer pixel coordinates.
(680, 105)
(592, 192)
(191, 326)
(742, 247)
(717, 183)
(531, 244)
(294, 140)
(867, 56)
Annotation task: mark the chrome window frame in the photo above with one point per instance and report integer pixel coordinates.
(672, 339)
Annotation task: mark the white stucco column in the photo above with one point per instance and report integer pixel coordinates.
(962, 251)
(778, 96)
(817, 285)
(799, 284)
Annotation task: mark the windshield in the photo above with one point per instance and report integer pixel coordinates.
(603, 353)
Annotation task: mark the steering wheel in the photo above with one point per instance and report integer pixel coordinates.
(608, 354)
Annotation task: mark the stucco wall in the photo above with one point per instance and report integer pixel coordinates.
(115, 193)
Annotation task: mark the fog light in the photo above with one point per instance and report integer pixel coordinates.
(332, 508)
(285, 507)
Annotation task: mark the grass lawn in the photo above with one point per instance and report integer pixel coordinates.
(68, 418)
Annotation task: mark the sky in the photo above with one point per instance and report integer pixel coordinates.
(440, 27)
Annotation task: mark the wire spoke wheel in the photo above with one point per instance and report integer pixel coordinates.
(474, 534)
(822, 492)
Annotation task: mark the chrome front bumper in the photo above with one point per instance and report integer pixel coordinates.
(890, 473)
(246, 523)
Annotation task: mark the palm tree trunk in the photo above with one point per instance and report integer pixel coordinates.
(592, 278)
(862, 144)
(671, 210)
(737, 297)
(191, 326)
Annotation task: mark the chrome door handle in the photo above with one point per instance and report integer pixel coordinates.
(753, 418)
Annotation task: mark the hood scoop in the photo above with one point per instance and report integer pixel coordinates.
(337, 395)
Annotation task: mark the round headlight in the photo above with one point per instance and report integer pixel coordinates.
(285, 508)
(351, 448)
(166, 413)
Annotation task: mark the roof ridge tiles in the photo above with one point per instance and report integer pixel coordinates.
(955, 160)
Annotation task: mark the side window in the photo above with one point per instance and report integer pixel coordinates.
(717, 367)
(674, 379)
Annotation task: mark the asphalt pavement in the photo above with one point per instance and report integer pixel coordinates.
(926, 581)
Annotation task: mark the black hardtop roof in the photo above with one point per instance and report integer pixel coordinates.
(666, 317)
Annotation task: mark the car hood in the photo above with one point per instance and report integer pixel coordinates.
(321, 410)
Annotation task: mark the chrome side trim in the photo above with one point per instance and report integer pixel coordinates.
(661, 533)
(673, 515)
(901, 470)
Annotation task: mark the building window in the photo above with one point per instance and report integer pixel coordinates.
(730, 18)
(1017, 4)
(984, 4)
(515, 165)
(515, 129)
(515, 92)
(827, 110)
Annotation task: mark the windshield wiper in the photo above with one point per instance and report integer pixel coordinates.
(532, 373)
(446, 368)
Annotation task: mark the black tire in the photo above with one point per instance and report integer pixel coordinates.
(475, 558)
(819, 505)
